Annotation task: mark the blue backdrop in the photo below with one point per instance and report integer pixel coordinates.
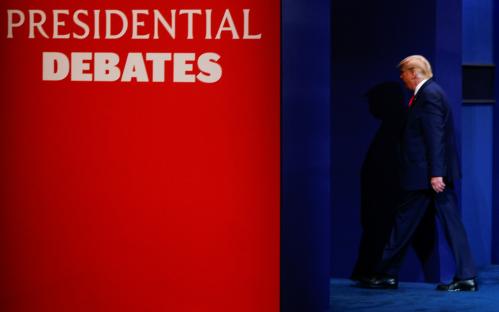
(495, 176)
(332, 53)
(477, 131)
(364, 56)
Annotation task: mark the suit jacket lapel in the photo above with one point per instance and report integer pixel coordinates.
(417, 96)
(414, 103)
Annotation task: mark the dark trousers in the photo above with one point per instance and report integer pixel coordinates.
(410, 211)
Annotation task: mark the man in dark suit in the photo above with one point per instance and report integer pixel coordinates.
(379, 181)
(429, 165)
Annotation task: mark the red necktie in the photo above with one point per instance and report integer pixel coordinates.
(411, 100)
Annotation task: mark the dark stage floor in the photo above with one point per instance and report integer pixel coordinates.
(417, 297)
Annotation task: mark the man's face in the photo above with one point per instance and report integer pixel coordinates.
(407, 77)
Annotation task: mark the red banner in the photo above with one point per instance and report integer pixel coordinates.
(139, 156)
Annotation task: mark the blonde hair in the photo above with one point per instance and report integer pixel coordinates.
(417, 63)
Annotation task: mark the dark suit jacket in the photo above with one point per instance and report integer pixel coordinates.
(428, 147)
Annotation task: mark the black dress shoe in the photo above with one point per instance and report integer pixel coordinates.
(380, 282)
(460, 285)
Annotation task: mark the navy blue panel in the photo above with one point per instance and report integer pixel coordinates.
(305, 130)
(495, 174)
(477, 31)
(477, 143)
(477, 181)
(448, 58)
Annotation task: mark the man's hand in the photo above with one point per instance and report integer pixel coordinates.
(437, 183)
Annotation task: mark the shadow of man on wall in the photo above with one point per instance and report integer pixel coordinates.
(380, 187)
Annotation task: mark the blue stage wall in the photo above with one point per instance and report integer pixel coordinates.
(495, 172)
(320, 169)
(477, 129)
(477, 180)
(305, 161)
(369, 38)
